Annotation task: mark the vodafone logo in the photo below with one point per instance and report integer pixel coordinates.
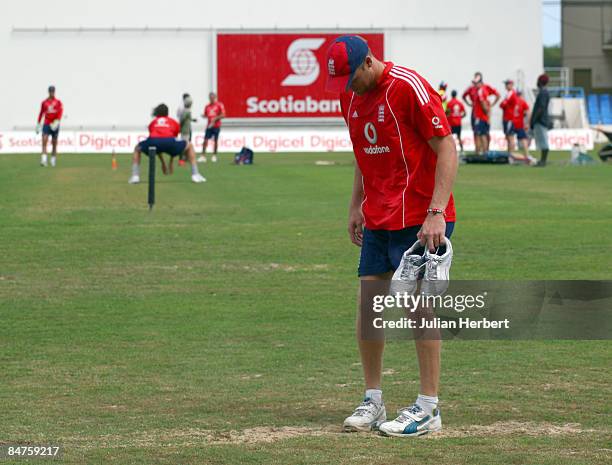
(303, 62)
(436, 122)
(369, 131)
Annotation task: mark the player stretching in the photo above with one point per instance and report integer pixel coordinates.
(51, 111)
(162, 135)
(455, 111)
(406, 166)
(214, 113)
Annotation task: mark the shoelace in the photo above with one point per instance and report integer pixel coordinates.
(365, 406)
(414, 409)
(432, 267)
(408, 272)
(434, 259)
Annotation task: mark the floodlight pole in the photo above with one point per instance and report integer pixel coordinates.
(152, 155)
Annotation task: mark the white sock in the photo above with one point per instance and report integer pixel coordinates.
(135, 169)
(43, 157)
(53, 159)
(374, 394)
(194, 169)
(427, 403)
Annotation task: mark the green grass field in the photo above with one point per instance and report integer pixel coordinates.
(218, 329)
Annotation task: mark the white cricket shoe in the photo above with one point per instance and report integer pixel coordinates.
(202, 159)
(411, 422)
(437, 270)
(43, 160)
(53, 161)
(409, 271)
(135, 179)
(214, 159)
(198, 178)
(366, 417)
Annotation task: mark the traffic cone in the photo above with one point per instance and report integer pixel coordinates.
(114, 163)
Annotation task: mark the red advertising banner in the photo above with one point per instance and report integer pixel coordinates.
(278, 75)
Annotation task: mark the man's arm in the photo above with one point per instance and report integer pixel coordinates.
(355, 220)
(60, 112)
(434, 227)
(41, 113)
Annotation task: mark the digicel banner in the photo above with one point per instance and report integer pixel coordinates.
(232, 140)
(278, 75)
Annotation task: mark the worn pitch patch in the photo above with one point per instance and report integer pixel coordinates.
(270, 434)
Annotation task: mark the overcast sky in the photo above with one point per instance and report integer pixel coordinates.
(551, 22)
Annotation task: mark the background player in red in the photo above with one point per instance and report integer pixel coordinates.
(50, 115)
(214, 112)
(521, 112)
(406, 166)
(163, 133)
(507, 105)
(482, 114)
(455, 111)
(470, 96)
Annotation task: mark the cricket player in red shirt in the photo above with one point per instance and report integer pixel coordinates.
(521, 112)
(214, 112)
(163, 134)
(482, 114)
(507, 105)
(470, 95)
(50, 115)
(401, 200)
(455, 111)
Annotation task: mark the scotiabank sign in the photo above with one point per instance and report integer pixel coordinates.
(278, 75)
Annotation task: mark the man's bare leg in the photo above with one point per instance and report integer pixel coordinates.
(191, 157)
(428, 353)
(371, 413)
(204, 146)
(54, 150)
(135, 178)
(43, 157)
(371, 352)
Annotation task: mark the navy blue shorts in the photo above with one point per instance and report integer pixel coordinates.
(382, 250)
(46, 130)
(508, 128)
(520, 134)
(481, 127)
(169, 145)
(456, 130)
(212, 133)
